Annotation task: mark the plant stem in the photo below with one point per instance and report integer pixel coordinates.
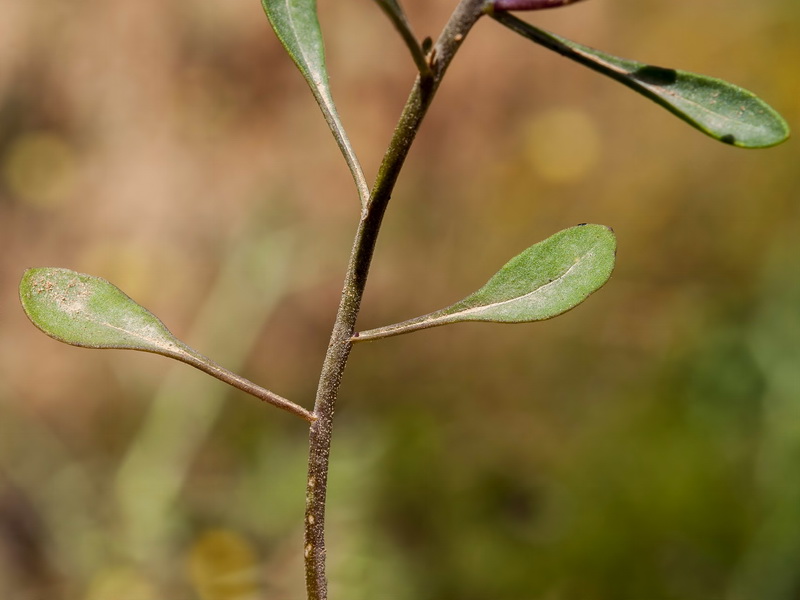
(398, 18)
(198, 361)
(463, 18)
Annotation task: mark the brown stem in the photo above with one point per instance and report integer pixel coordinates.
(198, 361)
(463, 18)
(398, 18)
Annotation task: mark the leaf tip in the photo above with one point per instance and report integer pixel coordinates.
(25, 290)
(41, 294)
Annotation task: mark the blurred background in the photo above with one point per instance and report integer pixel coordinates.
(644, 446)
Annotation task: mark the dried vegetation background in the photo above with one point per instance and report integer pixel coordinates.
(646, 445)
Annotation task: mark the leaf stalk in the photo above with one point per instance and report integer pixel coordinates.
(398, 18)
(206, 365)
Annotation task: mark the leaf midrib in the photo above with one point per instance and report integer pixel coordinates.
(539, 289)
(300, 47)
(661, 90)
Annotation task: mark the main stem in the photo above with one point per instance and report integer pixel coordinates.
(463, 18)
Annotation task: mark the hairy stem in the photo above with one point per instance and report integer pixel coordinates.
(198, 361)
(463, 18)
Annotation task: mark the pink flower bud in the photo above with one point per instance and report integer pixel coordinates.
(507, 5)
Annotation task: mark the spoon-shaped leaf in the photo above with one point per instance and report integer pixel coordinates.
(719, 109)
(547, 279)
(88, 311)
(296, 24)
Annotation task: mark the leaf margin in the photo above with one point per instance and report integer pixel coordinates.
(175, 348)
(625, 71)
(280, 13)
(32, 285)
(448, 315)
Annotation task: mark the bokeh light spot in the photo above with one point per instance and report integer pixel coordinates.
(224, 566)
(121, 584)
(562, 145)
(39, 169)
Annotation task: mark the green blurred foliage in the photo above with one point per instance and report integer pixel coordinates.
(642, 446)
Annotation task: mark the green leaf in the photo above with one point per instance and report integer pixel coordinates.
(296, 24)
(88, 311)
(719, 109)
(546, 280)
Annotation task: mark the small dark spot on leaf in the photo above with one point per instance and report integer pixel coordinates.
(581, 224)
(656, 75)
(728, 139)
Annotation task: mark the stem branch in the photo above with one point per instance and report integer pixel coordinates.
(463, 18)
(198, 361)
(400, 22)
